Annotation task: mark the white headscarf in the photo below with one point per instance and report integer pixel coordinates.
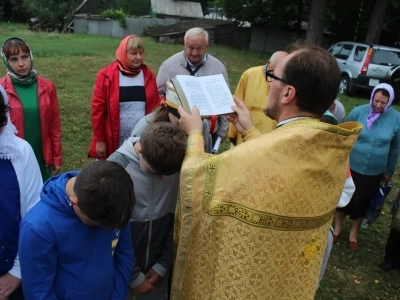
(8, 146)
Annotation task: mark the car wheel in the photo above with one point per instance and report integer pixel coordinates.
(344, 87)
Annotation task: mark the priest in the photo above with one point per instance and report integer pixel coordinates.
(252, 222)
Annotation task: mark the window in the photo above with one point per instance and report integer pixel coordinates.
(359, 53)
(385, 57)
(345, 52)
(335, 50)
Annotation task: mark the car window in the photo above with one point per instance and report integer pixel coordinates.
(345, 52)
(359, 53)
(335, 49)
(385, 57)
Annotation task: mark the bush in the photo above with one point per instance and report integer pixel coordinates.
(115, 14)
(146, 29)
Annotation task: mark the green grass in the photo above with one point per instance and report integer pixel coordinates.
(72, 61)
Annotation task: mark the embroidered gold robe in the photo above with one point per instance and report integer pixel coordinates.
(252, 222)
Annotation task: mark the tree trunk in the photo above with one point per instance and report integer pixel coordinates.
(315, 29)
(299, 18)
(376, 22)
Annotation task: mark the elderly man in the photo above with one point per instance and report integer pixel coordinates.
(253, 90)
(252, 222)
(194, 60)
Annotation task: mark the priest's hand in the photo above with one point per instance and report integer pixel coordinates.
(241, 117)
(190, 122)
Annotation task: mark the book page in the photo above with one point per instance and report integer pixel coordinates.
(194, 94)
(218, 92)
(209, 93)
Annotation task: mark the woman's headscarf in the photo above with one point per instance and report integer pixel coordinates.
(8, 146)
(122, 57)
(373, 116)
(31, 76)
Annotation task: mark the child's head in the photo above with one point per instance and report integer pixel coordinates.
(162, 148)
(104, 194)
(162, 114)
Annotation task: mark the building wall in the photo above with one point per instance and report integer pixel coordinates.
(270, 41)
(177, 8)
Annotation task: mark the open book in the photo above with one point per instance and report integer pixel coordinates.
(210, 94)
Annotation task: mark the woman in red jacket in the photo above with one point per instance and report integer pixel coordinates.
(34, 105)
(124, 92)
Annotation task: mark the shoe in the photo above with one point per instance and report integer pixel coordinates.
(353, 245)
(386, 266)
(335, 238)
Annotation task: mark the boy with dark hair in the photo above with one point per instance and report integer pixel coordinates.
(153, 163)
(75, 242)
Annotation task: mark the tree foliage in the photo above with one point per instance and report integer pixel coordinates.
(348, 20)
(345, 20)
(376, 21)
(115, 14)
(133, 8)
(13, 10)
(51, 11)
(274, 14)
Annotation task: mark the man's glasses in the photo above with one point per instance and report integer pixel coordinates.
(269, 75)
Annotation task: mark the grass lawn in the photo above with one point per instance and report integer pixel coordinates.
(72, 62)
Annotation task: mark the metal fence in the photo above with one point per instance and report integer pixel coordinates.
(251, 38)
(105, 27)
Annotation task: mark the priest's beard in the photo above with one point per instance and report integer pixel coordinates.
(273, 111)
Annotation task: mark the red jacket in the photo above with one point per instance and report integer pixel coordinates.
(49, 117)
(105, 106)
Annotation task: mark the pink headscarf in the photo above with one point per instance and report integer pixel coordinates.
(122, 57)
(373, 116)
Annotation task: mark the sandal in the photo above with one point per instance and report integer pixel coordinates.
(335, 238)
(353, 245)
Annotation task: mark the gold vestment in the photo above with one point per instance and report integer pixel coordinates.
(253, 90)
(252, 222)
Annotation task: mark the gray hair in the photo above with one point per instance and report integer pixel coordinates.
(196, 31)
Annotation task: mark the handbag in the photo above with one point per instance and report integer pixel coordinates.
(376, 206)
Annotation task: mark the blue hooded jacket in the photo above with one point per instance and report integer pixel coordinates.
(62, 258)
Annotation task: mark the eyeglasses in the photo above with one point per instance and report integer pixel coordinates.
(269, 75)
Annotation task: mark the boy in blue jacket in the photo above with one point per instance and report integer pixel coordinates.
(75, 242)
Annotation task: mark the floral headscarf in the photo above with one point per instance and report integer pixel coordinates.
(31, 76)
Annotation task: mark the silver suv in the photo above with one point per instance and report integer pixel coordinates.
(364, 66)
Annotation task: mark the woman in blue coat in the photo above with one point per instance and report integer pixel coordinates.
(374, 156)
